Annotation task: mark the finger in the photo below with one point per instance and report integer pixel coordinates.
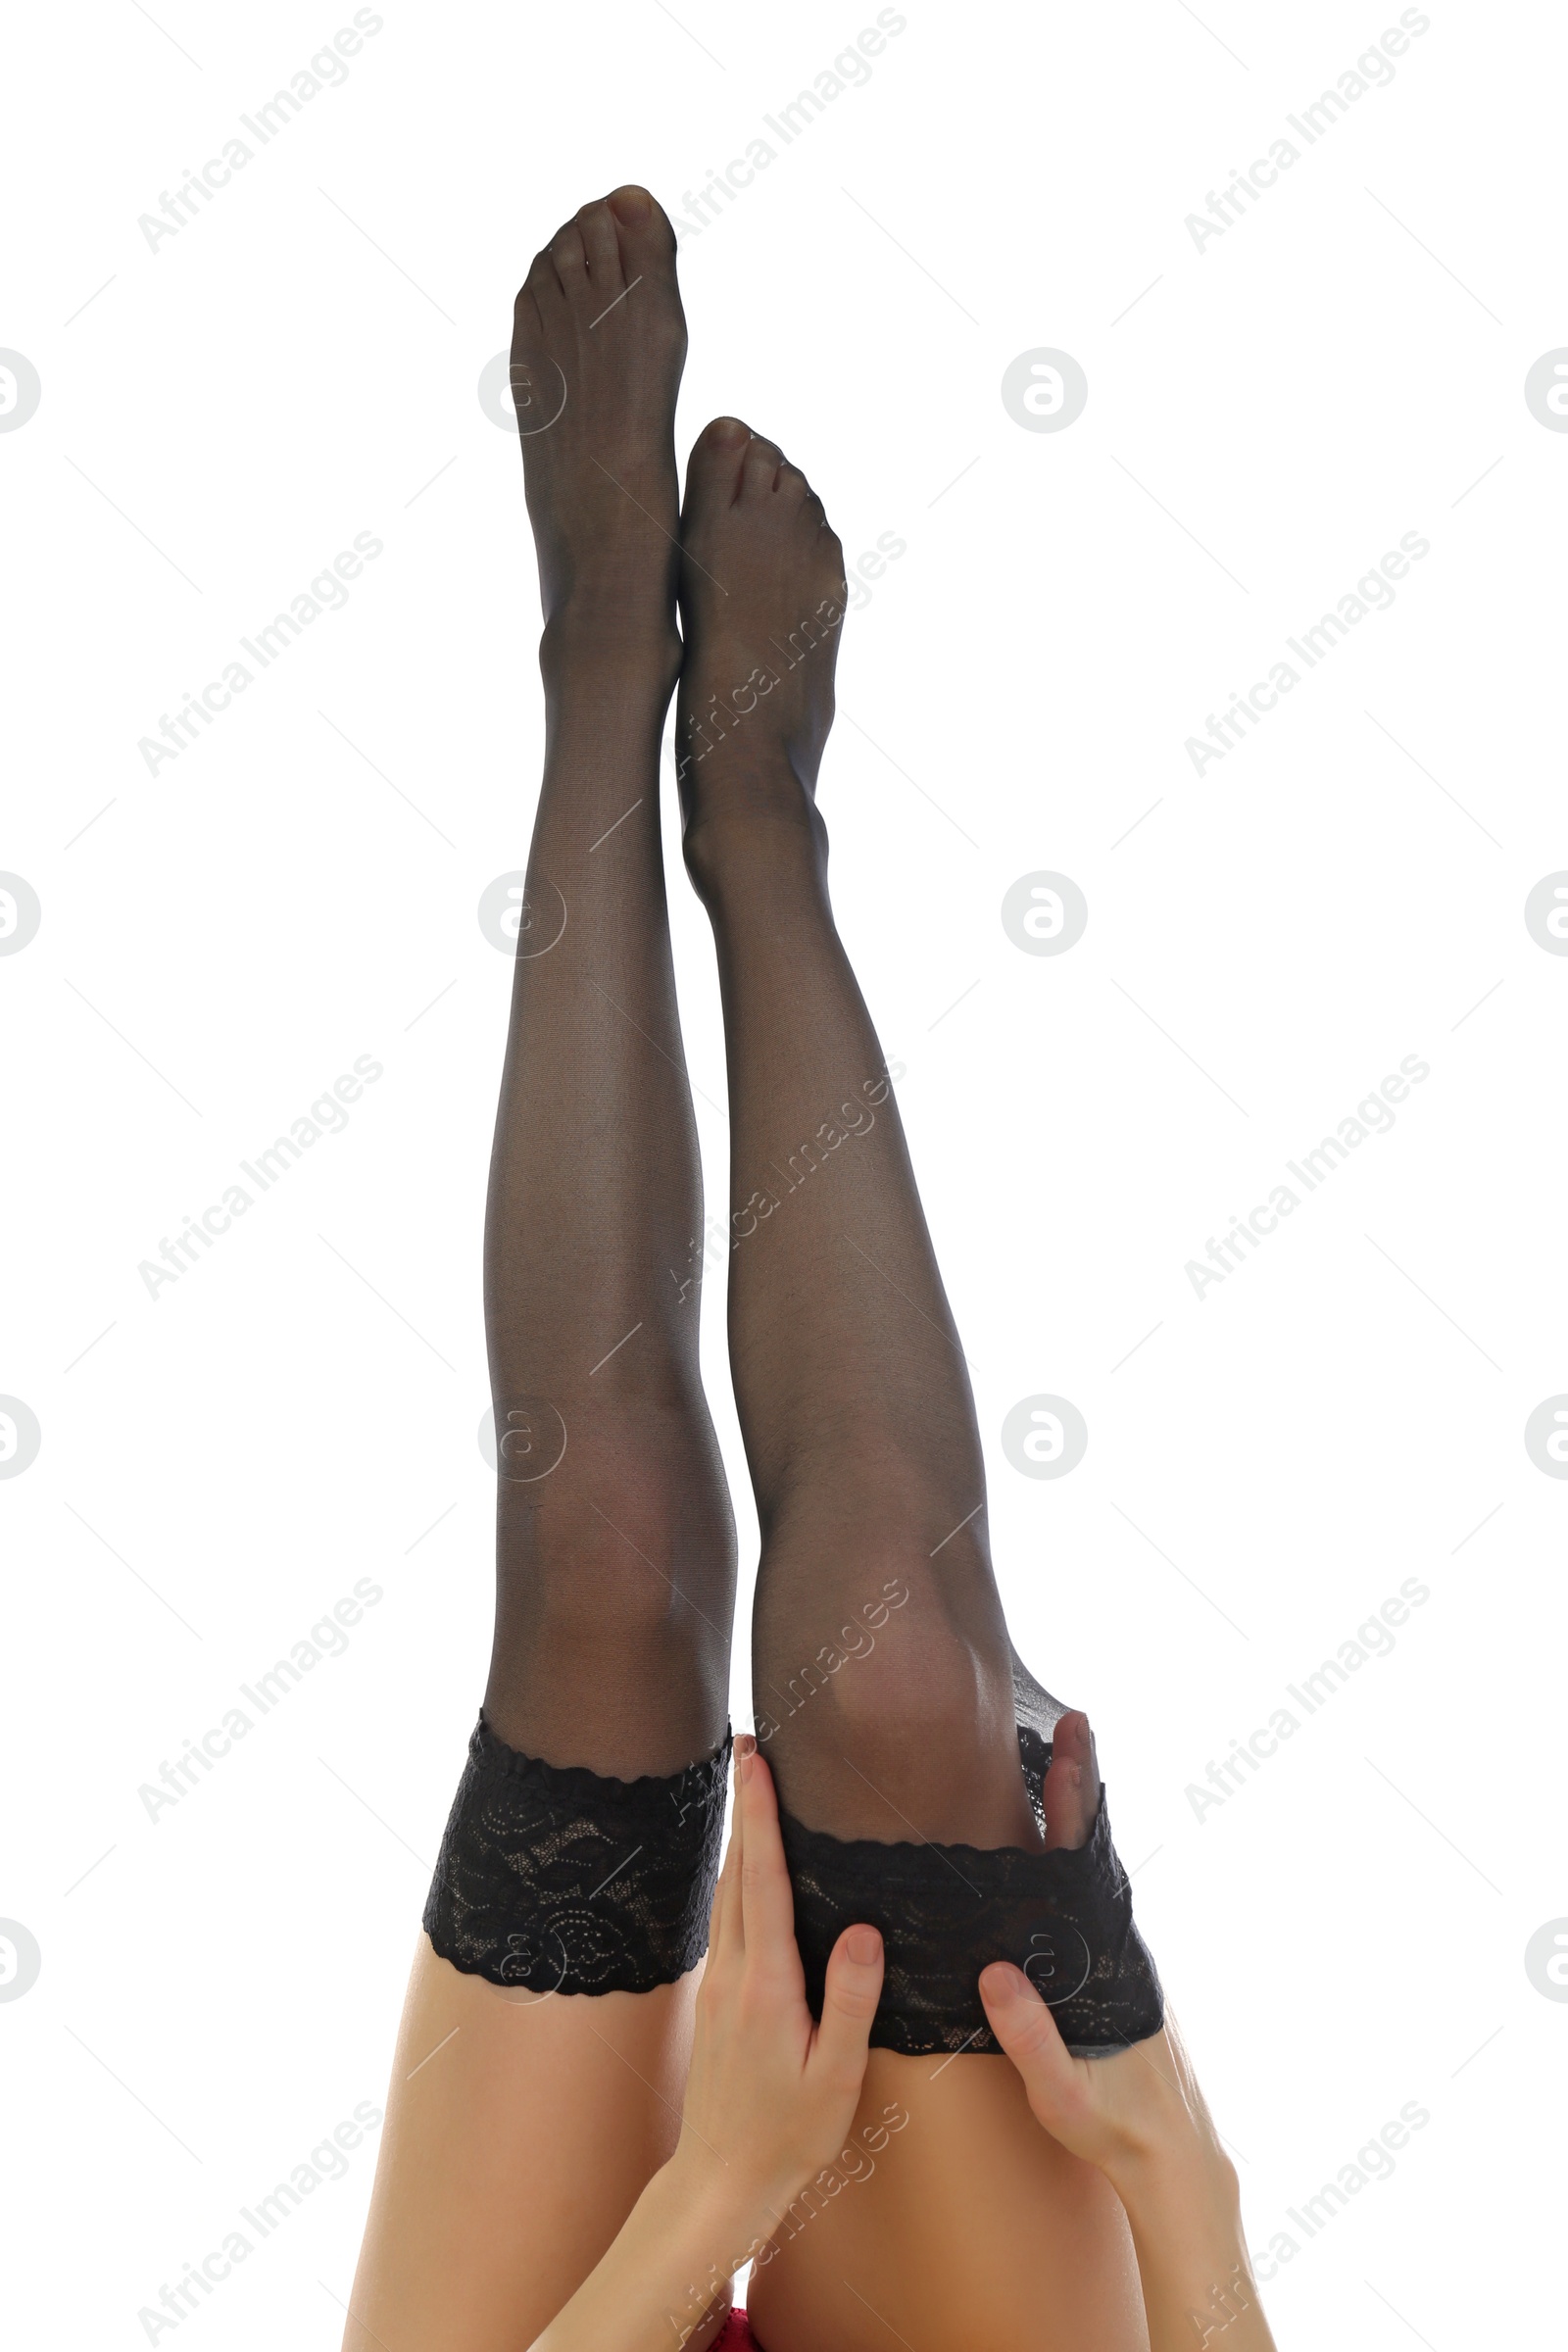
(850, 1996)
(732, 1921)
(767, 1903)
(725, 1939)
(1027, 2031)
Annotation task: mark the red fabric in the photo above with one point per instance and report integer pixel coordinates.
(737, 2334)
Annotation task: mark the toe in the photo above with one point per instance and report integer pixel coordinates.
(792, 485)
(569, 257)
(596, 225)
(714, 469)
(647, 239)
(760, 467)
(541, 288)
(528, 325)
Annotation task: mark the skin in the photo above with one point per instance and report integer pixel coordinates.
(565, 2171)
(772, 2106)
(520, 2134)
(510, 2157)
(1142, 2122)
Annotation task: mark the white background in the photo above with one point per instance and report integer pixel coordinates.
(1346, 1934)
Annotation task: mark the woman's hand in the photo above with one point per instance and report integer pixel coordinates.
(1143, 2120)
(769, 2100)
(1119, 2113)
(771, 2095)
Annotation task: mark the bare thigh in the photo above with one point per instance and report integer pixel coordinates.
(520, 2133)
(965, 2225)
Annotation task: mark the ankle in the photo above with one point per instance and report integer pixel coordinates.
(737, 857)
(601, 641)
(750, 826)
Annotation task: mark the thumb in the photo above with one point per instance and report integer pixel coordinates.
(850, 1996)
(1027, 2031)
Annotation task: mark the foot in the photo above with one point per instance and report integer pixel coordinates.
(1073, 1783)
(763, 596)
(598, 343)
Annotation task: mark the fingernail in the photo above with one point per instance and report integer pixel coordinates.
(745, 1749)
(863, 1944)
(1004, 1982)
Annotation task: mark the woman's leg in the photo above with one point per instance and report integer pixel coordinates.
(849, 1378)
(522, 2125)
(883, 1678)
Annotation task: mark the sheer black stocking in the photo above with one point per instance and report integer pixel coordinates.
(614, 1552)
(907, 1741)
(882, 1673)
(914, 1754)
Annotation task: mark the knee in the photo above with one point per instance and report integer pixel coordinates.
(911, 1736)
(618, 1599)
(599, 1608)
(611, 1640)
(892, 1674)
(920, 1691)
(629, 1503)
(613, 1582)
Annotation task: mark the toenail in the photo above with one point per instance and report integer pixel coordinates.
(729, 432)
(631, 203)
